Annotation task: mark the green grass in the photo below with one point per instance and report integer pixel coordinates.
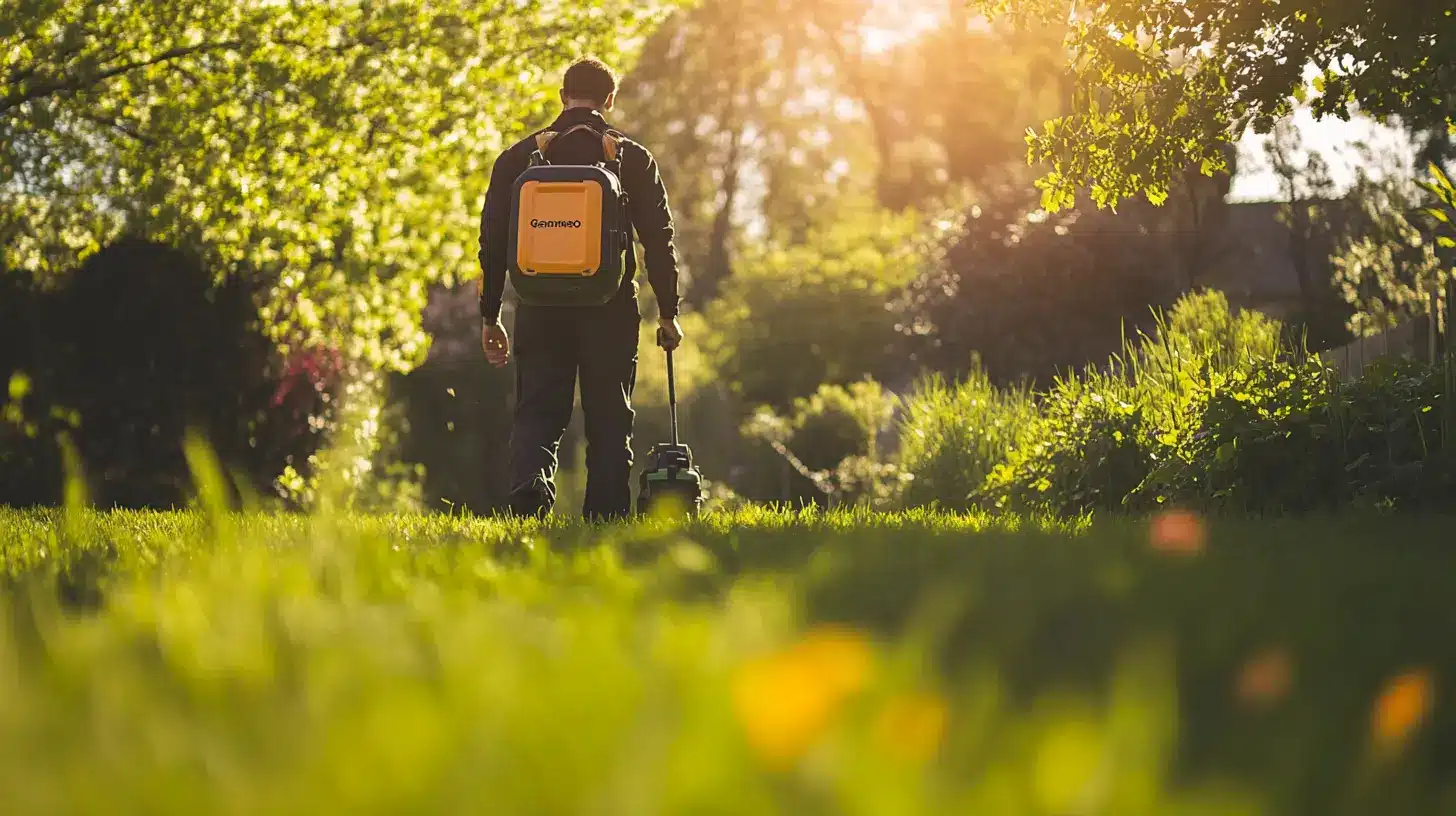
(230, 663)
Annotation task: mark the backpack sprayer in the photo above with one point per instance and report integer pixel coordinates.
(670, 482)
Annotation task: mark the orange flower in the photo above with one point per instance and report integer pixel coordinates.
(911, 727)
(1266, 678)
(787, 700)
(1178, 532)
(1401, 708)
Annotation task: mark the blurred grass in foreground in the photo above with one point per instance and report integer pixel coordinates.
(761, 662)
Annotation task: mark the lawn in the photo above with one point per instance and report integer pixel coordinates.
(759, 662)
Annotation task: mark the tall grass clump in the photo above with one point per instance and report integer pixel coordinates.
(953, 435)
(1099, 434)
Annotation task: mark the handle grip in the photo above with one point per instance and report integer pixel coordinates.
(671, 388)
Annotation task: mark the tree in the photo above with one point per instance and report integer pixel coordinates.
(1306, 187)
(1018, 294)
(724, 93)
(1162, 84)
(345, 145)
(767, 114)
(1398, 267)
(947, 108)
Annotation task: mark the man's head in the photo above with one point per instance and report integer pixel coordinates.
(589, 84)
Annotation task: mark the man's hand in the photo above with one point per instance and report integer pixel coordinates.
(669, 333)
(496, 344)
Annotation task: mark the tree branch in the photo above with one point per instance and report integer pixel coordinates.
(117, 126)
(819, 479)
(21, 96)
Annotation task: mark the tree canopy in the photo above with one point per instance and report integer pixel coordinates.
(344, 147)
(773, 118)
(1160, 85)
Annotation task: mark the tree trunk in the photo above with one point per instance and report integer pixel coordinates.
(1299, 243)
(719, 264)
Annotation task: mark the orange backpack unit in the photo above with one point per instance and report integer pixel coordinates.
(571, 239)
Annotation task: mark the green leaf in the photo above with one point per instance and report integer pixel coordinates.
(1441, 179)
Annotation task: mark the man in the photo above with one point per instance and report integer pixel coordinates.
(554, 346)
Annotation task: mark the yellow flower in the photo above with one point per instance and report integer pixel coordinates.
(786, 701)
(911, 726)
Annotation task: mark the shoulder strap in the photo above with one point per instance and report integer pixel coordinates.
(611, 141)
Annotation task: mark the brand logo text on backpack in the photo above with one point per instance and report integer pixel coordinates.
(538, 224)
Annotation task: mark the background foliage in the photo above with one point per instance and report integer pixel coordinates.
(137, 349)
(345, 147)
(1160, 86)
(854, 201)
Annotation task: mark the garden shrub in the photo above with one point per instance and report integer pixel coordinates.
(459, 416)
(838, 422)
(795, 317)
(952, 436)
(1253, 441)
(1288, 437)
(30, 471)
(1087, 449)
(1100, 435)
(1213, 410)
(1394, 427)
(832, 440)
(137, 346)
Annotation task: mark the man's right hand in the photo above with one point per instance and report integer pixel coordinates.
(496, 344)
(669, 333)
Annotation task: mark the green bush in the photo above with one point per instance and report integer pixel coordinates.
(1213, 410)
(795, 317)
(838, 422)
(831, 439)
(1288, 437)
(1094, 438)
(1087, 449)
(133, 349)
(952, 436)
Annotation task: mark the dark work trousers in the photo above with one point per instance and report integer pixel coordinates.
(554, 347)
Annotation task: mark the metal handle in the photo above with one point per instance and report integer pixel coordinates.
(671, 384)
(672, 396)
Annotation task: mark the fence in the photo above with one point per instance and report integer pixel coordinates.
(1404, 340)
(1421, 338)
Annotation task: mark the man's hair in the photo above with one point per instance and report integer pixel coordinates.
(589, 79)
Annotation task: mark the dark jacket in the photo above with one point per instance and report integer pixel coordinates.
(646, 201)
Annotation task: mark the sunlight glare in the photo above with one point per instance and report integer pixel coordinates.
(890, 25)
